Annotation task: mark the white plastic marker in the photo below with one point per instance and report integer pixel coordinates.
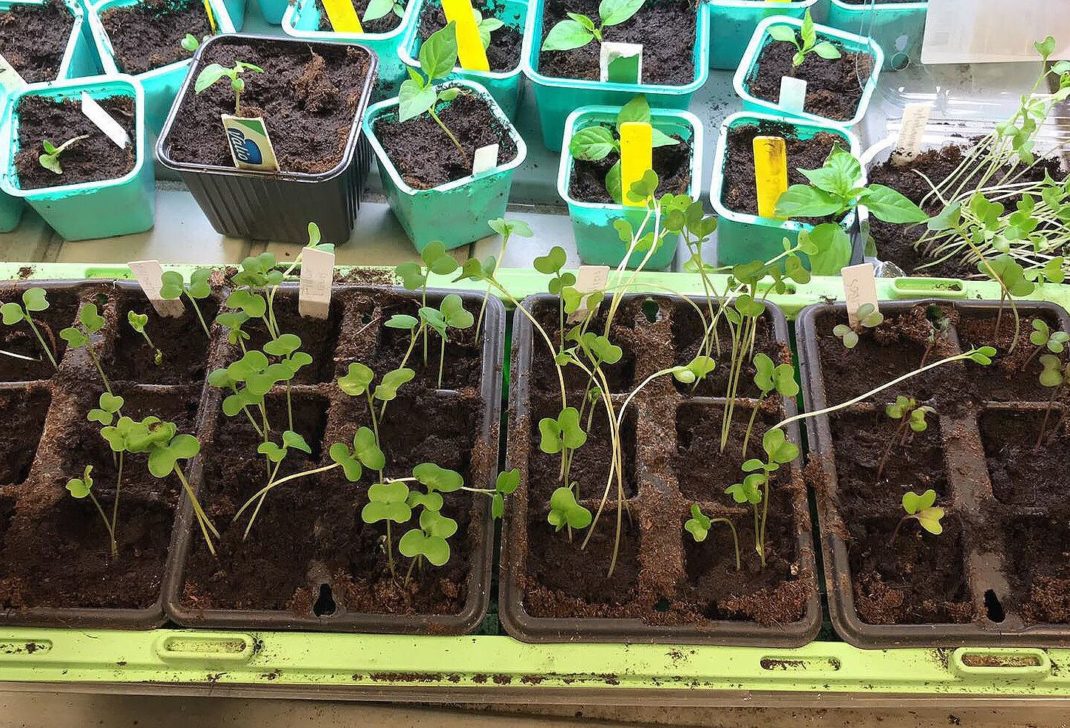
(911, 132)
(471, 55)
(589, 278)
(148, 274)
(9, 77)
(860, 288)
(250, 145)
(792, 94)
(317, 273)
(621, 63)
(485, 158)
(104, 122)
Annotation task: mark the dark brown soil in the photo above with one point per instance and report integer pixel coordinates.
(1040, 549)
(833, 86)
(672, 164)
(20, 339)
(93, 159)
(1021, 474)
(667, 30)
(739, 193)
(503, 54)
(24, 411)
(426, 158)
(1011, 377)
(307, 98)
(149, 35)
(34, 39)
(384, 24)
(181, 341)
(687, 333)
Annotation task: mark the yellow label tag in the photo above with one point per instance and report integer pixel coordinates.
(211, 17)
(636, 157)
(770, 173)
(470, 51)
(343, 16)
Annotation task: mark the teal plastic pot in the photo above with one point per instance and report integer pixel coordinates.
(559, 97)
(732, 23)
(10, 207)
(504, 86)
(88, 210)
(742, 237)
(455, 213)
(597, 240)
(273, 11)
(748, 67)
(898, 28)
(160, 84)
(302, 20)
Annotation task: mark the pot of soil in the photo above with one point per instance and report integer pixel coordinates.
(838, 90)
(732, 23)
(313, 559)
(993, 575)
(143, 38)
(665, 587)
(582, 184)
(317, 93)
(58, 570)
(503, 53)
(306, 19)
(743, 236)
(425, 187)
(91, 188)
(676, 38)
(897, 26)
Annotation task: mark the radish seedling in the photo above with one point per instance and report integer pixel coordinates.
(50, 159)
(566, 511)
(1055, 376)
(450, 314)
(868, 318)
(213, 72)
(34, 300)
(506, 229)
(414, 277)
(1042, 337)
(82, 487)
(78, 336)
(769, 378)
(755, 486)
(806, 42)
(579, 30)
(699, 526)
(138, 322)
(173, 286)
(920, 508)
(910, 415)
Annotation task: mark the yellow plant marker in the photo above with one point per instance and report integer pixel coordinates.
(343, 16)
(470, 51)
(636, 157)
(770, 172)
(211, 17)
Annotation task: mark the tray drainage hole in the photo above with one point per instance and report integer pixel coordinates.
(324, 606)
(651, 310)
(662, 605)
(994, 607)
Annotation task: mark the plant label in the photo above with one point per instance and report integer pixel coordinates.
(589, 279)
(636, 157)
(485, 158)
(148, 274)
(342, 16)
(859, 288)
(911, 132)
(621, 63)
(471, 54)
(211, 17)
(104, 122)
(317, 274)
(770, 172)
(792, 94)
(10, 80)
(250, 145)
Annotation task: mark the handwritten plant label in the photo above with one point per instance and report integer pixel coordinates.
(317, 273)
(589, 279)
(148, 273)
(250, 145)
(859, 288)
(621, 62)
(911, 133)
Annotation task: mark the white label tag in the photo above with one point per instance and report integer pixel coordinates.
(9, 77)
(860, 288)
(250, 145)
(792, 94)
(317, 274)
(911, 133)
(148, 273)
(589, 278)
(485, 158)
(104, 122)
(621, 63)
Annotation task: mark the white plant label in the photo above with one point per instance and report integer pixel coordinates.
(860, 288)
(792, 94)
(911, 132)
(317, 274)
(9, 77)
(485, 158)
(589, 278)
(250, 145)
(104, 122)
(621, 63)
(148, 273)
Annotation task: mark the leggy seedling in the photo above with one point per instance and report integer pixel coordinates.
(755, 488)
(173, 286)
(138, 322)
(920, 508)
(50, 159)
(34, 300)
(438, 56)
(699, 526)
(506, 229)
(78, 337)
(1055, 376)
(579, 30)
(910, 415)
(414, 278)
(451, 314)
(213, 72)
(769, 378)
(806, 43)
(868, 318)
(83, 487)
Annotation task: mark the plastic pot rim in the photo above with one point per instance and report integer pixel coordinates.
(412, 32)
(119, 81)
(564, 171)
(347, 155)
(76, 29)
(326, 36)
(880, 5)
(760, 4)
(757, 43)
(376, 110)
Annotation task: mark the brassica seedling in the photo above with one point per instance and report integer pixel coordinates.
(138, 322)
(83, 487)
(109, 407)
(78, 337)
(438, 56)
(754, 489)
(213, 72)
(50, 159)
(173, 286)
(1043, 338)
(699, 526)
(911, 417)
(451, 314)
(34, 300)
(806, 42)
(769, 378)
(868, 318)
(414, 277)
(1055, 376)
(579, 30)
(566, 511)
(506, 229)
(921, 508)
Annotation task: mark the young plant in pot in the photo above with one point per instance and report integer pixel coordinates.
(257, 172)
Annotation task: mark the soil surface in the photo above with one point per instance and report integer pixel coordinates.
(672, 164)
(426, 158)
(665, 28)
(20, 339)
(384, 24)
(93, 159)
(833, 86)
(181, 342)
(503, 54)
(33, 39)
(149, 35)
(307, 95)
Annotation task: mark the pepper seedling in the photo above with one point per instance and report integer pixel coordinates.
(806, 42)
(920, 508)
(138, 322)
(380, 8)
(77, 337)
(699, 526)
(451, 314)
(579, 30)
(868, 318)
(173, 286)
(911, 417)
(34, 300)
(214, 72)
(50, 159)
(438, 56)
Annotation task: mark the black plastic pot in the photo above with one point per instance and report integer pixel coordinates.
(973, 511)
(276, 205)
(660, 538)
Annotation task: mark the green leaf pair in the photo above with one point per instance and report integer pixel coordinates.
(429, 541)
(91, 322)
(365, 453)
(34, 300)
(565, 511)
(697, 369)
(770, 377)
(564, 431)
(921, 509)
(579, 30)
(108, 406)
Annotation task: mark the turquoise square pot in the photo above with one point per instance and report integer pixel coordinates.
(732, 23)
(898, 28)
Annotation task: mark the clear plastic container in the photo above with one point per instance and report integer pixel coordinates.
(898, 28)
(597, 240)
(119, 206)
(732, 23)
(455, 213)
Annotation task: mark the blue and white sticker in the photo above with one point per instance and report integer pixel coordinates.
(250, 145)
